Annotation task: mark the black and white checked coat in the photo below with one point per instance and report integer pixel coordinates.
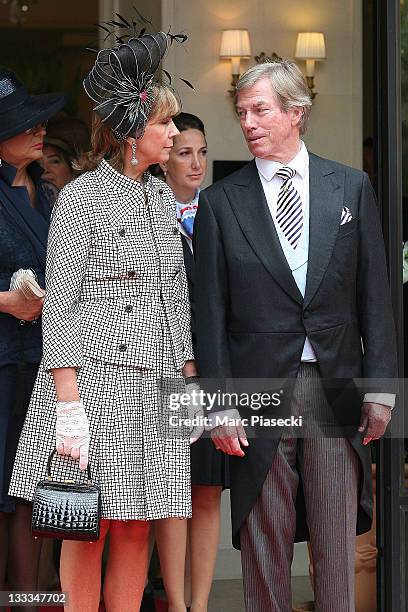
(116, 308)
(101, 260)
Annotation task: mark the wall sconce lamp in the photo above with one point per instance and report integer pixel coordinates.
(310, 46)
(235, 45)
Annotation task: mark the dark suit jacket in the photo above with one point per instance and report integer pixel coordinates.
(252, 320)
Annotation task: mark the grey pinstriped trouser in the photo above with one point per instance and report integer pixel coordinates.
(330, 472)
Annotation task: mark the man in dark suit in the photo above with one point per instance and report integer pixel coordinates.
(291, 284)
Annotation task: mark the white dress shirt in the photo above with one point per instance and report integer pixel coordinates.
(297, 258)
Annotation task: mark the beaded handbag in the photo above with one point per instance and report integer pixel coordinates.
(66, 510)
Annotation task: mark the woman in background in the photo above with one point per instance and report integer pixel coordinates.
(184, 173)
(67, 139)
(24, 218)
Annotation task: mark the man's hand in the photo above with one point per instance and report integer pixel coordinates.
(374, 421)
(229, 438)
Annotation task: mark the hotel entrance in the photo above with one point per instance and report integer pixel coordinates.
(360, 118)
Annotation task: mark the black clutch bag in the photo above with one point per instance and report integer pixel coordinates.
(66, 510)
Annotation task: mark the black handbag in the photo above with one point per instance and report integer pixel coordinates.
(66, 510)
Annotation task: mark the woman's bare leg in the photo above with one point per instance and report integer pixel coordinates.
(126, 569)
(204, 536)
(171, 539)
(80, 572)
(187, 567)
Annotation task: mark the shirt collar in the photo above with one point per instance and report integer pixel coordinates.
(300, 163)
(181, 205)
(8, 172)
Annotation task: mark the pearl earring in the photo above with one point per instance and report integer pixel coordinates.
(134, 161)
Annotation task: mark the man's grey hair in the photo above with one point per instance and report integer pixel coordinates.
(288, 85)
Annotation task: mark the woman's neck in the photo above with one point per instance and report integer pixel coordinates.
(134, 172)
(22, 177)
(184, 196)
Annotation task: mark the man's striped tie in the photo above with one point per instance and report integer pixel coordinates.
(289, 212)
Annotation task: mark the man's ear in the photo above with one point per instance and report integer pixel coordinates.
(297, 114)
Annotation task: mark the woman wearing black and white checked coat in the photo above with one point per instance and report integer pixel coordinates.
(116, 321)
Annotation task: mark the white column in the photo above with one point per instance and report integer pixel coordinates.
(107, 10)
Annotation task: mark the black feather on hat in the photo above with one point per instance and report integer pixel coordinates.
(121, 81)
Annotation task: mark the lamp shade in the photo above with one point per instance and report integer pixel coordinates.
(235, 43)
(310, 45)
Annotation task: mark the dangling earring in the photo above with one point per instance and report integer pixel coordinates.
(134, 161)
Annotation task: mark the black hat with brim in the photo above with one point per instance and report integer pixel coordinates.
(19, 111)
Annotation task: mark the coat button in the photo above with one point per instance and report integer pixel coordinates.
(161, 191)
(175, 231)
(131, 273)
(306, 314)
(128, 308)
(122, 347)
(122, 232)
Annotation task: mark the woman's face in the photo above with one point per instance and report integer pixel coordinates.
(24, 148)
(157, 141)
(187, 163)
(56, 170)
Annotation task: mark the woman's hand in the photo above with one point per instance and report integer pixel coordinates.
(16, 304)
(72, 432)
(195, 411)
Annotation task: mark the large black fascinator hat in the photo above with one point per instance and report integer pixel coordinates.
(122, 79)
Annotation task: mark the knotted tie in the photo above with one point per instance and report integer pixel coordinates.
(289, 213)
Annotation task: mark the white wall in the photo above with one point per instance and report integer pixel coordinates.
(150, 9)
(336, 126)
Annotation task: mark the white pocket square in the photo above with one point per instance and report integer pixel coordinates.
(346, 216)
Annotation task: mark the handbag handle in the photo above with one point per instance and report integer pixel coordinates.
(52, 453)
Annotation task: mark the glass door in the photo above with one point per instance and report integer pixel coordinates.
(391, 163)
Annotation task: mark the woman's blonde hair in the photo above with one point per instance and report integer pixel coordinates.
(103, 142)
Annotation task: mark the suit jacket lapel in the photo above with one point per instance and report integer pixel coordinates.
(248, 202)
(326, 189)
(188, 260)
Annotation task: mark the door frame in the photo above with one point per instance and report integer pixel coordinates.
(392, 499)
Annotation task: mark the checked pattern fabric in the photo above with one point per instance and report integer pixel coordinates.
(117, 309)
(289, 212)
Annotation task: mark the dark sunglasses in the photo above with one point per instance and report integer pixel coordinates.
(37, 128)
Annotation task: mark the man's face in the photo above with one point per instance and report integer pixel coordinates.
(268, 130)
